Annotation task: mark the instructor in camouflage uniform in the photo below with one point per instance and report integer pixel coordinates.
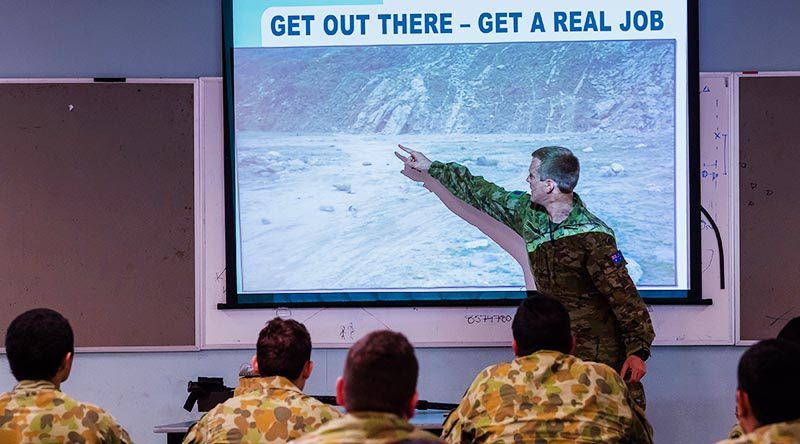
(572, 254)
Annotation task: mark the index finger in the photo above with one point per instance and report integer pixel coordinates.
(401, 157)
(408, 150)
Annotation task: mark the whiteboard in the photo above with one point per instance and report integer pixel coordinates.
(445, 326)
(712, 324)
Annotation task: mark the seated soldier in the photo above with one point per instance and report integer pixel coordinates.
(789, 332)
(39, 346)
(271, 408)
(767, 404)
(546, 394)
(379, 390)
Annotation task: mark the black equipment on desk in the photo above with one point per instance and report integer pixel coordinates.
(421, 404)
(207, 393)
(430, 405)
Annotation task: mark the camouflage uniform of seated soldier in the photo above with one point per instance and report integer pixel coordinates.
(39, 347)
(379, 390)
(271, 408)
(545, 394)
(767, 404)
(789, 332)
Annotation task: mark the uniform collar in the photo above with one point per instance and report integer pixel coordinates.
(262, 383)
(577, 210)
(578, 221)
(33, 385)
(538, 355)
(377, 415)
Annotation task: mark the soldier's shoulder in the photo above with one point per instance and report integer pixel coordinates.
(89, 407)
(318, 408)
(494, 371)
(101, 416)
(600, 376)
(598, 243)
(5, 399)
(331, 432)
(63, 402)
(780, 433)
(94, 417)
(605, 371)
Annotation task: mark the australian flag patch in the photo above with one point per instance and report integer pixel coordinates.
(617, 258)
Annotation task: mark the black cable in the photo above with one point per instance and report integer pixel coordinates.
(719, 245)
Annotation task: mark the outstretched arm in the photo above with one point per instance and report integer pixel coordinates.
(504, 206)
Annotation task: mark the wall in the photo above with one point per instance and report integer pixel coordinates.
(690, 389)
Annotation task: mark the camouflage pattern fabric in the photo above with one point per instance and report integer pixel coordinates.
(736, 431)
(780, 433)
(272, 410)
(370, 428)
(547, 397)
(38, 412)
(247, 384)
(575, 261)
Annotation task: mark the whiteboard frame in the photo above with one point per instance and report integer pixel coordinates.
(238, 328)
(198, 199)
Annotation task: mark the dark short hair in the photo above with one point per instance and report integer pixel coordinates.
(541, 323)
(768, 373)
(559, 165)
(791, 331)
(37, 342)
(283, 348)
(380, 373)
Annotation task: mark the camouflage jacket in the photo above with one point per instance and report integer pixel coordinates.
(736, 431)
(273, 410)
(780, 433)
(575, 261)
(368, 427)
(38, 412)
(547, 397)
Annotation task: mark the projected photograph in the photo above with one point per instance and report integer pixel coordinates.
(323, 206)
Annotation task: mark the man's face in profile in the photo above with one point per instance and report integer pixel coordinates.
(538, 186)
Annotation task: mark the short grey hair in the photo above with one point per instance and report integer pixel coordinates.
(559, 165)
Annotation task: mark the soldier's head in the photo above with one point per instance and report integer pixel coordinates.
(380, 375)
(768, 390)
(39, 345)
(553, 169)
(791, 331)
(284, 349)
(541, 323)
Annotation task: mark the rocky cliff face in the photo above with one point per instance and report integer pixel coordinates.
(538, 88)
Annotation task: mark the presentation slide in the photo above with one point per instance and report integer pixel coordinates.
(324, 91)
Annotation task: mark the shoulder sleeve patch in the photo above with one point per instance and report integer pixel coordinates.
(617, 258)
